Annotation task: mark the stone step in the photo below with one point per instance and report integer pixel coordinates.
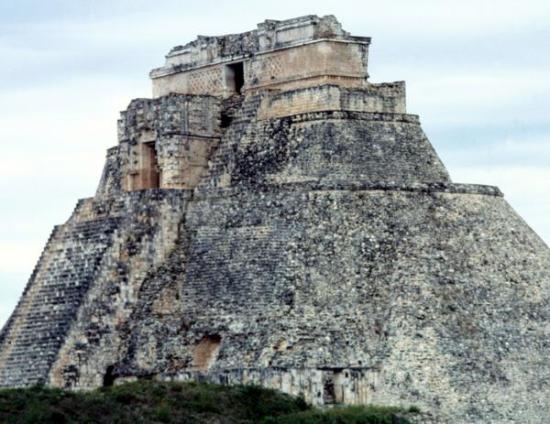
(52, 297)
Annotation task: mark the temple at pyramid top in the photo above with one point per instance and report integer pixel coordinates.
(281, 55)
(283, 68)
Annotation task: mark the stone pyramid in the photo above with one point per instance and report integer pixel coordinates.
(272, 217)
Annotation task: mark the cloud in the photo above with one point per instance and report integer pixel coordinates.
(511, 151)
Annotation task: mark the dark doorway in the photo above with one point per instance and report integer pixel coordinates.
(329, 396)
(109, 377)
(235, 77)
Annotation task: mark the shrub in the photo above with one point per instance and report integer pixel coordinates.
(154, 402)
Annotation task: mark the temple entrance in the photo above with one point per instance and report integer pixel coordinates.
(234, 77)
(109, 377)
(147, 172)
(150, 165)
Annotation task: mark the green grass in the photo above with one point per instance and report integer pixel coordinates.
(153, 402)
(346, 415)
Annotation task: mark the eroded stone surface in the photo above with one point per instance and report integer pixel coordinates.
(305, 237)
(280, 55)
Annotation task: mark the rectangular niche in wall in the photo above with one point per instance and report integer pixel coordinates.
(206, 352)
(234, 77)
(150, 165)
(147, 173)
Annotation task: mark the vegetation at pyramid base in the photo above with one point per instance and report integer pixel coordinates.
(154, 402)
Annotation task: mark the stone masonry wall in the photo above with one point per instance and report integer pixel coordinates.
(308, 240)
(149, 229)
(173, 139)
(182, 132)
(388, 98)
(282, 55)
(111, 180)
(403, 278)
(37, 329)
(321, 62)
(333, 146)
(415, 286)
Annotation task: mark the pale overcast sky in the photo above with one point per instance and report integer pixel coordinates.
(477, 72)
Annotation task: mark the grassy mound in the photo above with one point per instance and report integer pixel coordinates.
(152, 402)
